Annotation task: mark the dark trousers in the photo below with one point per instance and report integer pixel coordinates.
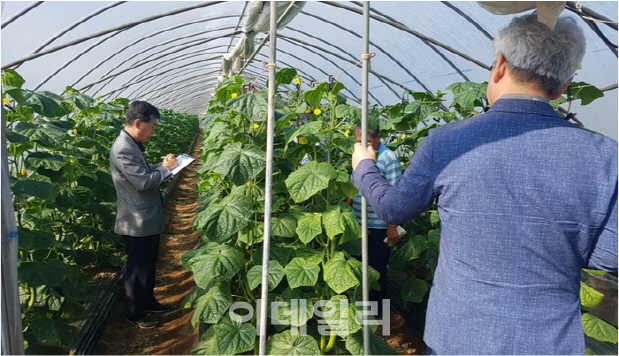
(378, 259)
(142, 253)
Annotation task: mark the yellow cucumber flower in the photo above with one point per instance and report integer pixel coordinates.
(402, 164)
(403, 135)
(6, 101)
(307, 111)
(234, 95)
(23, 171)
(395, 140)
(476, 112)
(254, 126)
(297, 80)
(75, 131)
(347, 133)
(317, 111)
(302, 140)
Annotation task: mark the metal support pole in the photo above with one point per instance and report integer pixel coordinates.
(268, 184)
(364, 203)
(12, 337)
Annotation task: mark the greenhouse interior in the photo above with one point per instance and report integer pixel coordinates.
(252, 119)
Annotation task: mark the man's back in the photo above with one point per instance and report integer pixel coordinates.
(523, 198)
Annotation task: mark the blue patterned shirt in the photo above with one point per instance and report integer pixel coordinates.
(390, 168)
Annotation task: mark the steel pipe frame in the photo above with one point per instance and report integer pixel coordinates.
(74, 25)
(104, 32)
(140, 40)
(268, 183)
(79, 55)
(345, 59)
(348, 53)
(158, 58)
(161, 77)
(373, 44)
(365, 289)
(426, 42)
(21, 13)
(412, 32)
(147, 76)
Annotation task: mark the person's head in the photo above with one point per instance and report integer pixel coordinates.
(141, 120)
(373, 136)
(537, 56)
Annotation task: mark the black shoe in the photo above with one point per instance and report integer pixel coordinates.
(159, 308)
(144, 323)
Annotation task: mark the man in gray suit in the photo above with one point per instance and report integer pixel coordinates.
(139, 210)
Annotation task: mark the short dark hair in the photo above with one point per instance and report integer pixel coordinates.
(143, 111)
(373, 133)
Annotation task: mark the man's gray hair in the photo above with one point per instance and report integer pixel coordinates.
(537, 54)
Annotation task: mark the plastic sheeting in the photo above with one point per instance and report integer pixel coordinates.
(174, 61)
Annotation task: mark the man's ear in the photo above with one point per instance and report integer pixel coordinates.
(561, 90)
(137, 123)
(499, 69)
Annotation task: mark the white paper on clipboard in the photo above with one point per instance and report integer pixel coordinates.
(183, 161)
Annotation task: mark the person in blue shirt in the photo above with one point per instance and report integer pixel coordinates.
(526, 200)
(380, 234)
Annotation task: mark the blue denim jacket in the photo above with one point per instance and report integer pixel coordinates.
(526, 199)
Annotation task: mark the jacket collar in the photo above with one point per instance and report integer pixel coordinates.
(141, 146)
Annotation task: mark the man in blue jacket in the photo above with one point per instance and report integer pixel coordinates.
(526, 199)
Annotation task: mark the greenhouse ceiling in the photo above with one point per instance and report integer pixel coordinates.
(170, 52)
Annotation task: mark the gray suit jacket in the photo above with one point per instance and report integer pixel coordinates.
(139, 208)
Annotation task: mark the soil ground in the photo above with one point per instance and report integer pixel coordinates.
(175, 335)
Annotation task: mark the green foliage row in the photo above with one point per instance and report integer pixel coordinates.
(65, 200)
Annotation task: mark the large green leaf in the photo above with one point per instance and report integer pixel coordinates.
(224, 263)
(285, 75)
(457, 88)
(14, 137)
(209, 345)
(283, 226)
(285, 343)
(298, 308)
(309, 179)
(49, 273)
(254, 106)
(467, 99)
(589, 297)
(45, 103)
(410, 250)
(301, 272)
(378, 346)
(32, 188)
(81, 101)
(45, 134)
(314, 95)
(338, 274)
(234, 337)
(212, 305)
(598, 329)
(241, 163)
(52, 330)
(339, 313)
(11, 78)
(357, 269)
(219, 221)
(421, 111)
(35, 240)
(276, 274)
(14, 93)
(45, 160)
(309, 227)
(338, 219)
(276, 253)
(585, 92)
(252, 234)
(74, 197)
(309, 128)
(413, 290)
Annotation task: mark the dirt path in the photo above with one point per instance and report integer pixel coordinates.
(174, 335)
